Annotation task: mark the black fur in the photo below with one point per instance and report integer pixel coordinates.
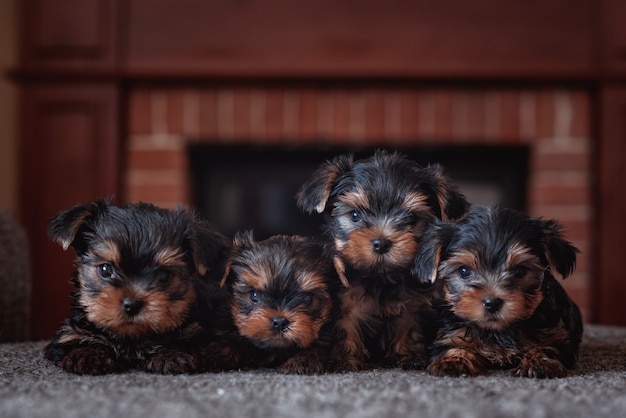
(277, 270)
(386, 199)
(531, 343)
(138, 232)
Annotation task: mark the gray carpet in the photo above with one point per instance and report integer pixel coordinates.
(31, 387)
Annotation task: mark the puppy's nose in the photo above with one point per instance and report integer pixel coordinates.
(492, 305)
(381, 245)
(132, 306)
(280, 324)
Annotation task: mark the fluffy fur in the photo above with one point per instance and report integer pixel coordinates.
(503, 308)
(375, 211)
(282, 302)
(147, 290)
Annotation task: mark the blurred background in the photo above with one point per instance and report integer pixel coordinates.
(229, 106)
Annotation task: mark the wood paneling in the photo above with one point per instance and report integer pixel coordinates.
(611, 285)
(70, 34)
(69, 155)
(372, 38)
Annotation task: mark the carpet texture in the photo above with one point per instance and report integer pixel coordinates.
(32, 387)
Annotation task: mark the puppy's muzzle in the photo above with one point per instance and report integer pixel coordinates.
(492, 305)
(132, 306)
(381, 245)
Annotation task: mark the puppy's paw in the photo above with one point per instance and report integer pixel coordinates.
(456, 362)
(347, 364)
(172, 362)
(303, 365)
(91, 360)
(537, 364)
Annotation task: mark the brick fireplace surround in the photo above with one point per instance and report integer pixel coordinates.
(554, 123)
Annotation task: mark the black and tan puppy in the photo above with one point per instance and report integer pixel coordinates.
(282, 302)
(142, 297)
(503, 307)
(375, 211)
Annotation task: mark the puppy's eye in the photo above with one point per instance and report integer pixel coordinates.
(519, 272)
(106, 271)
(465, 272)
(307, 300)
(255, 296)
(164, 276)
(411, 219)
(356, 216)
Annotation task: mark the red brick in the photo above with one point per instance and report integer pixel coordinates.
(427, 110)
(156, 192)
(341, 116)
(510, 116)
(274, 115)
(139, 112)
(561, 161)
(545, 114)
(175, 109)
(374, 116)
(443, 116)
(559, 195)
(156, 159)
(409, 115)
(476, 117)
(581, 114)
(241, 114)
(208, 113)
(307, 116)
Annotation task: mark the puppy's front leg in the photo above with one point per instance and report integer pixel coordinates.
(457, 362)
(540, 362)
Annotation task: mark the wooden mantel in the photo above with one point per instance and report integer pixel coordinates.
(79, 57)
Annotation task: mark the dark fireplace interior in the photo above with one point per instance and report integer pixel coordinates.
(248, 187)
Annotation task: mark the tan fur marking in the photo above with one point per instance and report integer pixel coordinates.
(170, 257)
(416, 202)
(158, 314)
(108, 251)
(520, 254)
(356, 199)
(256, 279)
(340, 268)
(358, 249)
(308, 281)
(464, 258)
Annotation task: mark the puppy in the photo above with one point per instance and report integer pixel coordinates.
(282, 301)
(375, 212)
(142, 297)
(503, 308)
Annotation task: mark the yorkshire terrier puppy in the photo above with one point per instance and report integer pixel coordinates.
(143, 297)
(502, 307)
(282, 302)
(375, 212)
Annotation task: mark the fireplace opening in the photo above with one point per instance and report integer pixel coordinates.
(253, 187)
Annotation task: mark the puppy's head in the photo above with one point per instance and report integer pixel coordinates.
(377, 208)
(493, 263)
(280, 290)
(137, 265)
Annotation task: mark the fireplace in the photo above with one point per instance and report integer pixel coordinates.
(253, 187)
(237, 152)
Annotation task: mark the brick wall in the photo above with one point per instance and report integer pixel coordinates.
(555, 123)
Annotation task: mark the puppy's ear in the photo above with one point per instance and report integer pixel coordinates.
(241, 241)
(209, 248)
(448, 203)
(433, 244)
(560, 252)
(63, 227)
(313, 195)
